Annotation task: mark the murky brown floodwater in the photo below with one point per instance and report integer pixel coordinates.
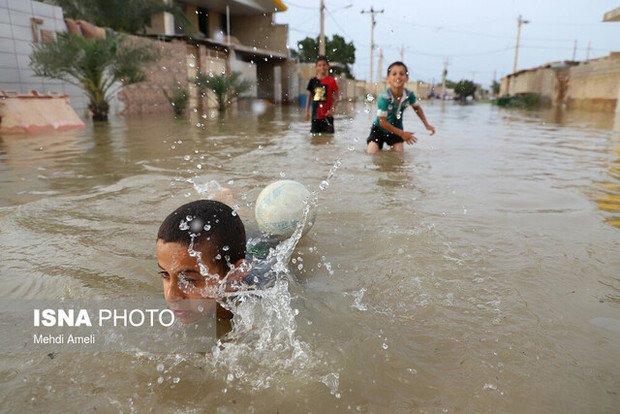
(477, 272)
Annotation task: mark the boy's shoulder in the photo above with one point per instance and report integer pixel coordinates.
(410, 95)
(329, 80)
(386, 95)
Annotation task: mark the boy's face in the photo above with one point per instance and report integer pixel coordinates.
(397, 77)
(322, 67)
(187, 290)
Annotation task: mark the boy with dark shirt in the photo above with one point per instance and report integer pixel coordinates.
(320, 91)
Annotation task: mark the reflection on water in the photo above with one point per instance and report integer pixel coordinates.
(475, 272)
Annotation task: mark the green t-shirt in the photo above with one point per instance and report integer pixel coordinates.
(386, 106)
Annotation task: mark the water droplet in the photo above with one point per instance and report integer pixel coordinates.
(225, 248)
(370, 98)
(207, 227)
(160, 380)
(384, 346)
(160, 368)
(282, 174)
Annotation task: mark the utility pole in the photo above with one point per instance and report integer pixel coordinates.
(514, 69)
(372, 35)
(322, 35)
(402, 53)
(443, 79)
(588, 52)
(380, 64)
(575, 50)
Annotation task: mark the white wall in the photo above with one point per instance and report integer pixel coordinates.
(15, 47)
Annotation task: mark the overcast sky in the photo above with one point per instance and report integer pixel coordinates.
(477, 37)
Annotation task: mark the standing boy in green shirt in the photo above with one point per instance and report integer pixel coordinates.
(388, 126)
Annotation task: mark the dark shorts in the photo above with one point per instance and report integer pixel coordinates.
(380, 137)
(323, 126)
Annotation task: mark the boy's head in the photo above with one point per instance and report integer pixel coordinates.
(197, 245)
(397, 64)
(397, 75)
(322, 65)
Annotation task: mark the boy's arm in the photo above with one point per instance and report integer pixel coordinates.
(307, 114)
(334, 103)
(418, 110)
(406, 136)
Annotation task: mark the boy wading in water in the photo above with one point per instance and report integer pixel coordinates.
(388, 127)
(320, 91)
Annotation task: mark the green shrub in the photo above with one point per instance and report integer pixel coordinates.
(179, 100)
(526, 101)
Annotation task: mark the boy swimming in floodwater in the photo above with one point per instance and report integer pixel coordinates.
(201, 247)
(203, 258)
(388, 126)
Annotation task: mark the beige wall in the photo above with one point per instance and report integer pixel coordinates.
(148, 97)
(591, 85)
(260, 32)
(595, 85)
(178, 64)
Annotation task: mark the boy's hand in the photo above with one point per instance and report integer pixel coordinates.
(431, 128)
(307, 116)
(409, 138)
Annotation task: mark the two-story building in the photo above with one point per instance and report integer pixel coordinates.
(234, 35)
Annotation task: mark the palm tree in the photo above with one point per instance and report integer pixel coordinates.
(94, 65)
(225, 87)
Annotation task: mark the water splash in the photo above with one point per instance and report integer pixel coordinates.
(263, 348)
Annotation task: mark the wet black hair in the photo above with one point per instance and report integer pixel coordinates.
(212, 226)
(397, 63)
(321, 57)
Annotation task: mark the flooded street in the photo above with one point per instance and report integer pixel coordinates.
(479, 271)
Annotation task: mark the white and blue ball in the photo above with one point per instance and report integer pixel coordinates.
(280, 208)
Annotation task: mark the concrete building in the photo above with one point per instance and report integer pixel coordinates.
(241, 32)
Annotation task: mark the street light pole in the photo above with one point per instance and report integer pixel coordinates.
(514, 69)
